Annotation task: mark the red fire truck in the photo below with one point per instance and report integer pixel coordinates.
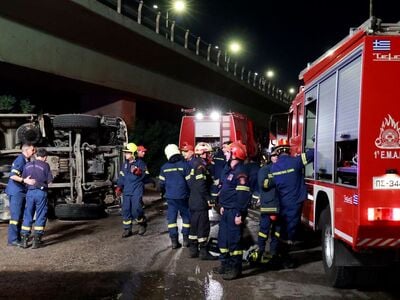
(348, 110)
(216, 128)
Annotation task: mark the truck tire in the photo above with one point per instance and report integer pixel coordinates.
(75, 121)
(79, 211)
(338, 276)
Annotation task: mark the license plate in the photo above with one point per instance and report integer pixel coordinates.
(386, 182)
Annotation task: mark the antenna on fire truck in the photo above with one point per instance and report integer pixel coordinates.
(371, 8)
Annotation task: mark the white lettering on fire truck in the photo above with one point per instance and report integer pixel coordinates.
(386, 57)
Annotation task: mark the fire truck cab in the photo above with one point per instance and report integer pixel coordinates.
(348, 111)
(216, 128)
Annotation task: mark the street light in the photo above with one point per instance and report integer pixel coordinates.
(270, 74)
(292, 91)
(235, 47)
(177, 6)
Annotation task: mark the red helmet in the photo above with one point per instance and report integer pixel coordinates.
(141, 148)
(186, 147)
(238, 150)
(282, 146)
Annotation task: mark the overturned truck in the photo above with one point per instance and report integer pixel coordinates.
(84, 157)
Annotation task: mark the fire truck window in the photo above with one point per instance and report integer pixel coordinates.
(310, 114)
(346, 157)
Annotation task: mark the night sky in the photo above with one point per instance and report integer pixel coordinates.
(283, 35)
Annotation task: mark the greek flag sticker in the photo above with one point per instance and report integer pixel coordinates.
(381, 45)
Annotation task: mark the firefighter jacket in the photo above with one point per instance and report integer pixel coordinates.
(174, 176)
(14, 187)
(235, 190)
(131, 177)
(200, 184)
(268, 196)
(40, 171)
(217, 166)
(287, 174)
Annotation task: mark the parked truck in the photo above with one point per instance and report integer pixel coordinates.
(85, 154)
(348, 111)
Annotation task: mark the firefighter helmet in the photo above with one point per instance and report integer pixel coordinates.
(282, 146)
(141, 148)
(171, 150)
(131, 147)
(238, 150)
(202, 148)
(186, 147)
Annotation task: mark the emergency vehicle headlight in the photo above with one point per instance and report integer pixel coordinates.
(383, 214)
(199, 116)
(215, 115)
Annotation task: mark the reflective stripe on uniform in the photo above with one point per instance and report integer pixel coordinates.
(243, 188)
(204, 239)
(304, 158)
(236, 252)
(187, 177)
(224, 250)
(13, 222)
(25, 228)
(173, 170)
(185, 225)
(127, 222)
(263, 235)
(201, 176)
(283, 172)
(140, 220)
(16, 171)
(255, 197)
(214, 194)
(161, 178)
(277, 234)
(265, 184)
(173, 225)
(121, 173)
(38, 227)
(268, 209)
(192, 237)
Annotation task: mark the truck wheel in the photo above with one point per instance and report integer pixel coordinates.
(75, 121)
(338, 276)
(79, 211)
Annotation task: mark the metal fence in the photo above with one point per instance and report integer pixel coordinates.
(162, 25)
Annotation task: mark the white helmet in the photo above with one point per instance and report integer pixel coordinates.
(202, 148)
(171, 150)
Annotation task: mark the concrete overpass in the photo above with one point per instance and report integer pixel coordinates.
(94, 45)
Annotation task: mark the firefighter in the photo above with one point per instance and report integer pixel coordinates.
(36, 199)
(141, 152)
(287, 175)
(188, 153)
(217, 165)
(200, 184)
(252, 168)
(173, 183)
(233, 199)
(16, 192)
(269, 211)
(130, 184)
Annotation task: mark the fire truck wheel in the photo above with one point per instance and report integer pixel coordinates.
(338, 276)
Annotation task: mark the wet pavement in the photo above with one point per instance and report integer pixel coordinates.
(90, 260)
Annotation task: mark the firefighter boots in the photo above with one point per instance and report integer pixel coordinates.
(126, 233)
(24, 241)
(37, 241)
(221, 269)
(193, 249)
(186, 242)
(175, 243)
(142, 228)
(231, 273)
(204, 254)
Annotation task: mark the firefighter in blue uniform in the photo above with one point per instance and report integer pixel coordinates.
(234, 197)
(252, 168)
(174, 176)
(36, 199)
(188, 153)
(269, 210)
(288, 178)
(199, 202)
(16, 192)
(130, 184)
(217, 166)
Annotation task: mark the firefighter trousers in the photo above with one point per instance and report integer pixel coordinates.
(199, 226)
(36, 201)
(17, 205)
(229, 240)
(290, 217)
(176, 206)
(268, 226)
(132, 210)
